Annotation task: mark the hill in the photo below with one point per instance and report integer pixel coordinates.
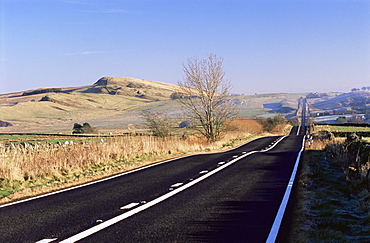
(114, 104)
(341, 108)
(145, 89)
(358, 98)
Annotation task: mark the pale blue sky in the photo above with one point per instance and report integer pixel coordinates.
(267, 45)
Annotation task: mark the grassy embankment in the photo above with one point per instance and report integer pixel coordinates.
(333, 191)
(30, 170)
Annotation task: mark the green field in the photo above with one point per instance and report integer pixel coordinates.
(341, 128)
(29, 138)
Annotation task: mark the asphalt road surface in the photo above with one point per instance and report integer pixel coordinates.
(237, 202)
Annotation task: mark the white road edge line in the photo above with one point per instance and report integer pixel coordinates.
(134, 211)
(112, 177)
(123, 216)
(279, 216)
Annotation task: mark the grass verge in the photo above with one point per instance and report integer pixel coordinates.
(329, 209)
(26, 172)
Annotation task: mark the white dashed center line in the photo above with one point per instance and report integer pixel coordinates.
(130, 205)
(177, 184)
(46, 240)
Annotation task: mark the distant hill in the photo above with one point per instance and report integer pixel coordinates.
(117, 86)
(126, 87)
(110, 100)
(358, 98)
(114, 104)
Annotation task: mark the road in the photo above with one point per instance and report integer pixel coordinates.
(236, 204)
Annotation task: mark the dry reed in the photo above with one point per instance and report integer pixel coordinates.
(319, 144)
(27, 163)
(52, 165)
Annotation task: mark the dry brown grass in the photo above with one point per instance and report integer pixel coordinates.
(253, 126)
(34, 170)
(319, 144)
(247, 125)
(22, 163)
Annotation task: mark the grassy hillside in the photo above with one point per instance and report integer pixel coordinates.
(114, 105)
(343, 100)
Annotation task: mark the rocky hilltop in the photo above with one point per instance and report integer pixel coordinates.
(125, 87)
(113, 104)
(117, 86)
(150, 90)
(110, 100)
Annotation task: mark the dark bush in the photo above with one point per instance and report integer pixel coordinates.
(84, 128)
(177, 95)
(77, 128)
(270, 123)
(184, 124)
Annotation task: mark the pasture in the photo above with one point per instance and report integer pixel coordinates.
(34, 164)
(341, 128)
(47, 138)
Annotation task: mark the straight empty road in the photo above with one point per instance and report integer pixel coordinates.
(236, 204)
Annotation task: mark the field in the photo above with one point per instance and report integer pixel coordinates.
(341, 128)
(341, 132)
(116, 114)
(41, 164)
(267, 105)
(40, 138)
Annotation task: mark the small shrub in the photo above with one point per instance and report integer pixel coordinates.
(77, 128)
(84, 128)
(177, 95)
(184, 124)
(158, 123)
(269, 124)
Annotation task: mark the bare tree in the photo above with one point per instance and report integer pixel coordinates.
(207, 95)
(158, 123)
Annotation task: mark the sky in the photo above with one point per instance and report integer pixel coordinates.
(268, 46)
